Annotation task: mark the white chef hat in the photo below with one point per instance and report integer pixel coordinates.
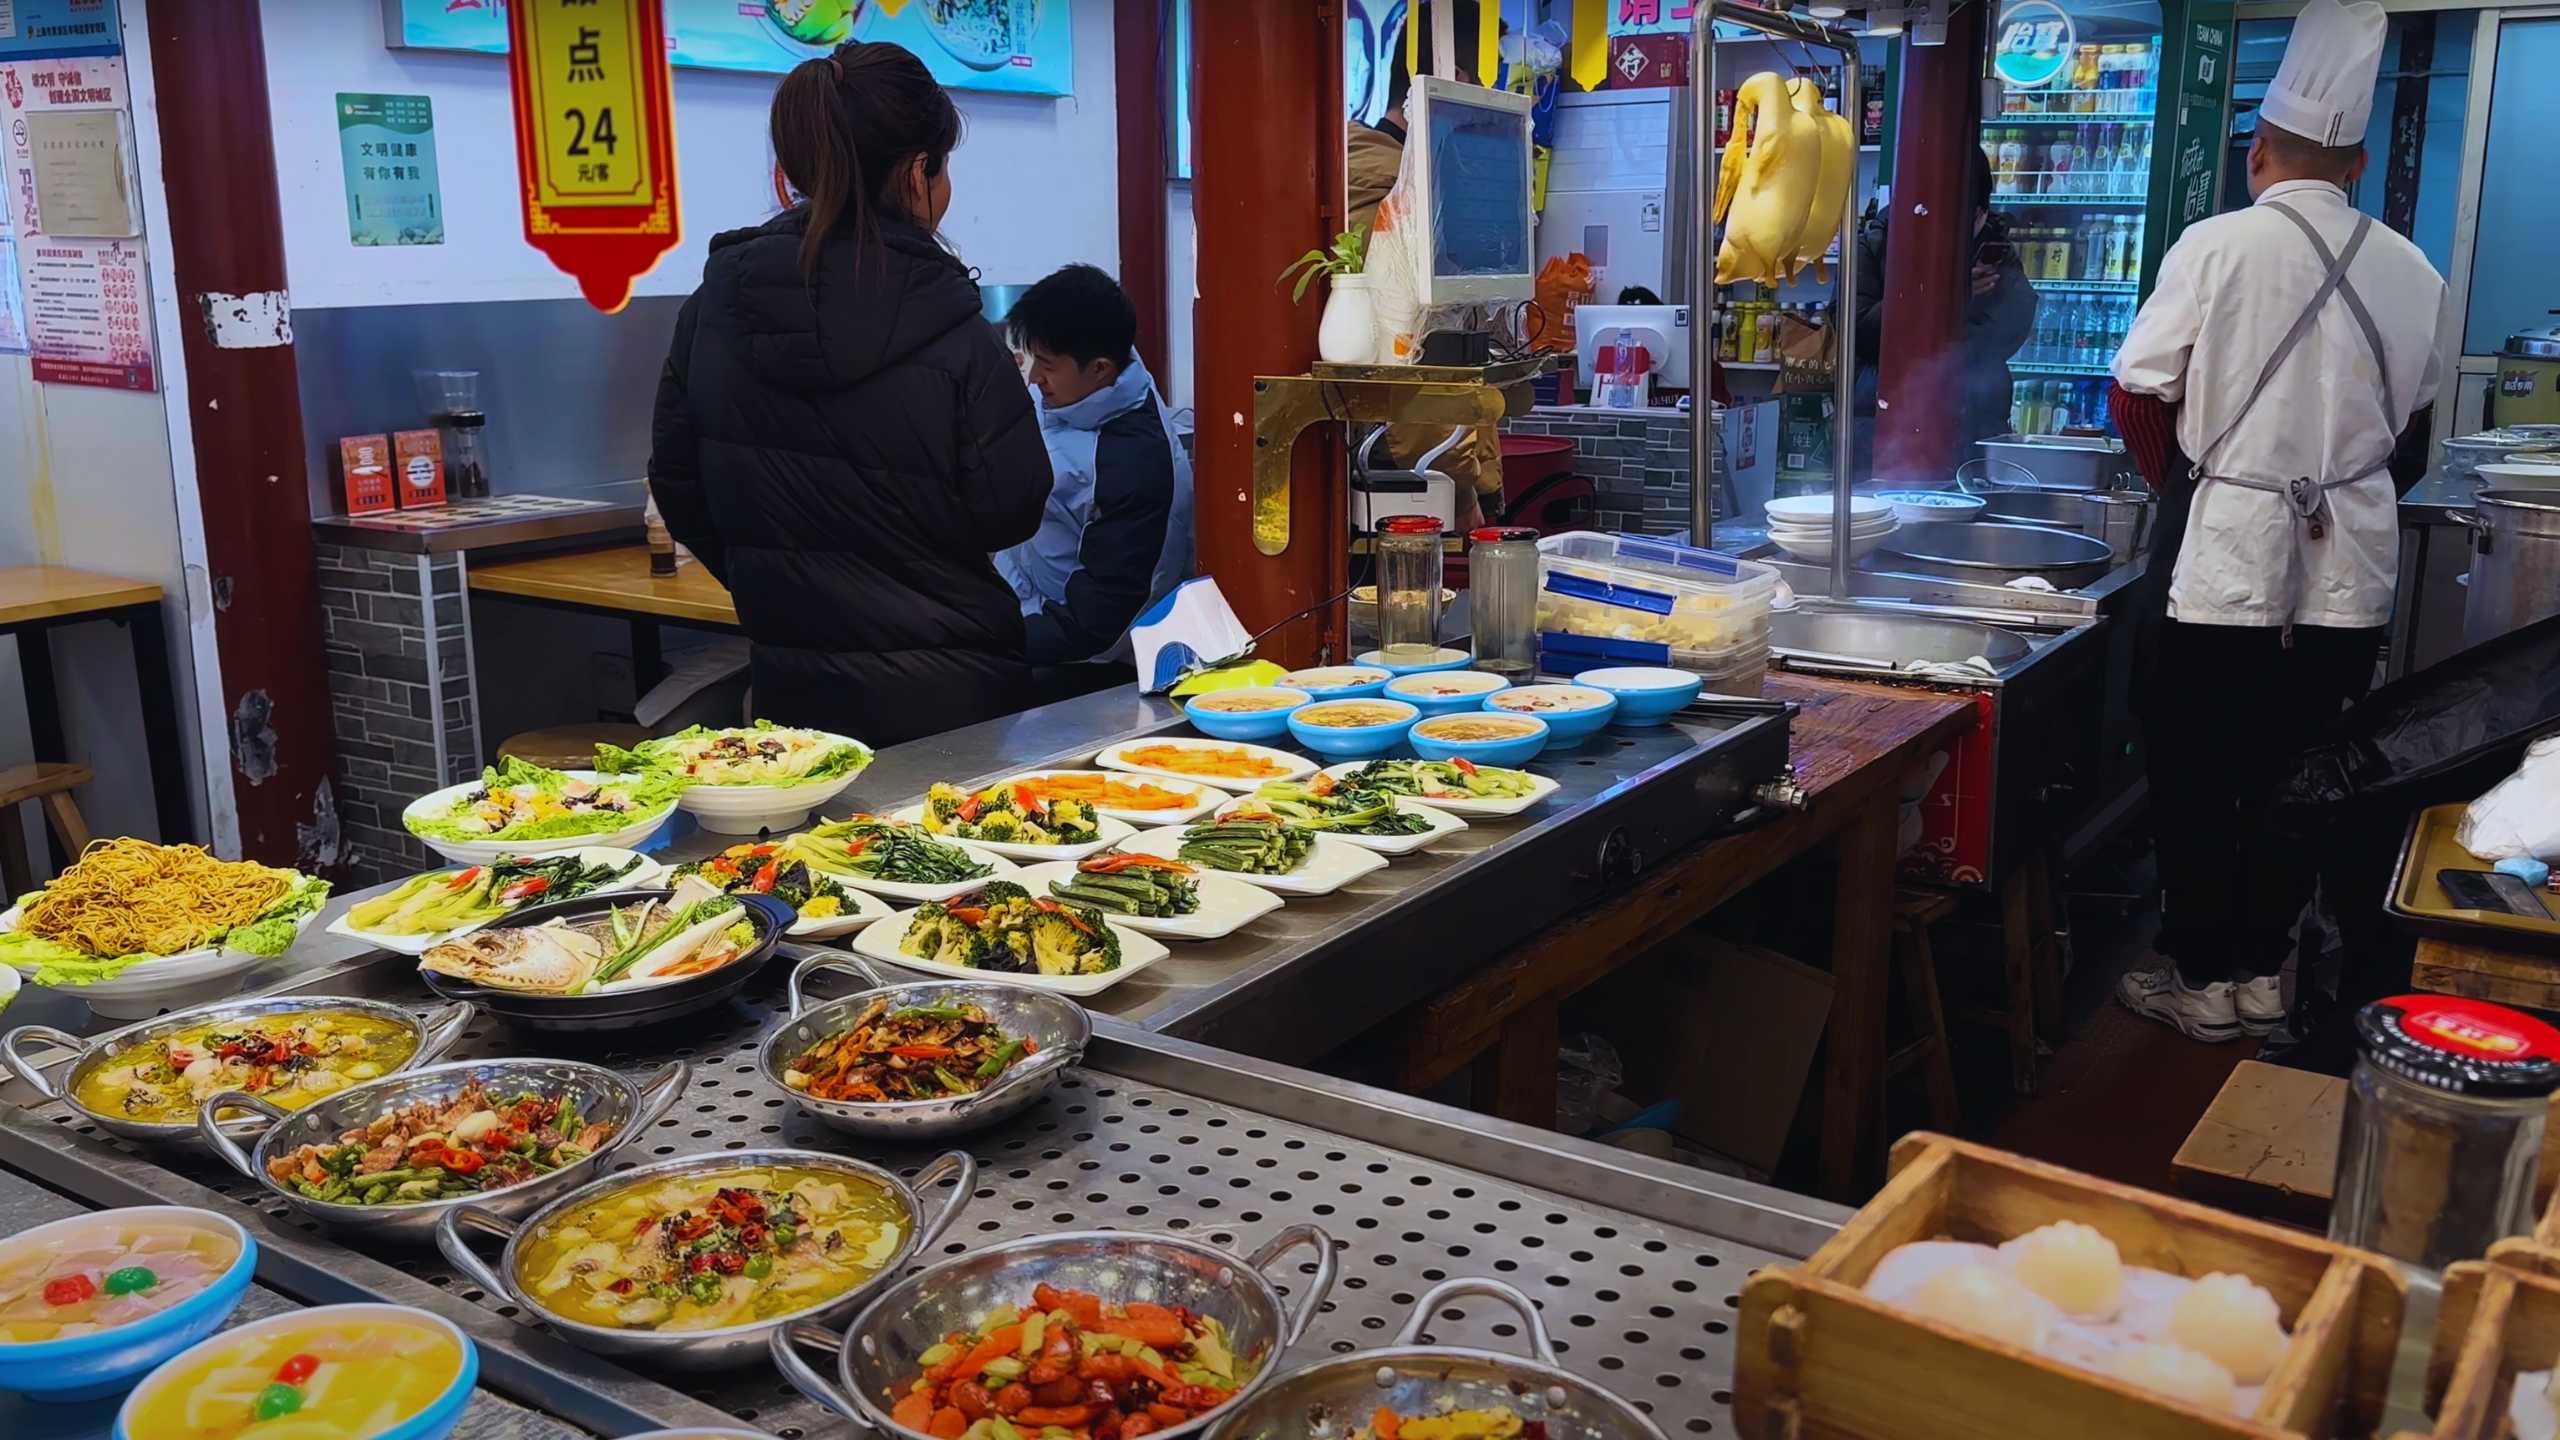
(2323, 91)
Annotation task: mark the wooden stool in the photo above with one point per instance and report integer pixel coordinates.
(1914, 911)
(53, 785)
(569, 747)
(2031, 966)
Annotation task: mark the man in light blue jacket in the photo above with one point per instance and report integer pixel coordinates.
(1117, 535)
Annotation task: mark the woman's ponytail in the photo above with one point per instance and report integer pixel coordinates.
(846, 125)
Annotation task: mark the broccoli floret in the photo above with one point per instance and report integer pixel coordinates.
(962, 945)
(996, 892)
(1068, 816)
(926, 930)
(1003, 825)
(1073, 940)
(941, 803)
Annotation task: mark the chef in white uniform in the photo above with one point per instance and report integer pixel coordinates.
(2287, 348)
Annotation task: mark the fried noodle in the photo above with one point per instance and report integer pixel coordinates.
(130, 897)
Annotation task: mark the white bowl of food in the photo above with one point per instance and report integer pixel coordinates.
(741, 779)
(519, 808)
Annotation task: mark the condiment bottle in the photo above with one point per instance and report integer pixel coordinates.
(1502, 573)
(1408, 550)
(2443, 1129)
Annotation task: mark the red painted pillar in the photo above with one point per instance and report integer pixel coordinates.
(1268, 188)
(1141, 41)
(1929, 254)
(218, 161)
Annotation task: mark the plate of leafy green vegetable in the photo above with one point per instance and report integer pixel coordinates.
(894, 858)
(1460, 787)
(418, 912)
(1154, 895)
(1283, 859)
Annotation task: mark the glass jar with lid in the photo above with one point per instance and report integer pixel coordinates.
(1408, 553)
(2443, 1128)
(1502, 578)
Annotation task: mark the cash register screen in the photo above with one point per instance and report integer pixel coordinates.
(1480, 226)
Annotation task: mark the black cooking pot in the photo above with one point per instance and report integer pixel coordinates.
(628, 1008)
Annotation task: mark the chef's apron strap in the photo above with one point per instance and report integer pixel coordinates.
(2329, 285)
(2346, 290)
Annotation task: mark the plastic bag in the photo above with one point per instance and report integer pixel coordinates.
(1587, 1067)
(1564, 282)
(2520, 816)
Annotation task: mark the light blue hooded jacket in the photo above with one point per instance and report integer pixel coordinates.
(1117, 534)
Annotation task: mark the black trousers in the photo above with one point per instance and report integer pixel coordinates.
(2226, 711)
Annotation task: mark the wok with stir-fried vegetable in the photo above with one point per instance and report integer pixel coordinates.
(1071, 1367)
(909, 1052)
(439, 1149)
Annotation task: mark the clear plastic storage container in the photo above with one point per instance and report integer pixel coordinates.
(1636, 600)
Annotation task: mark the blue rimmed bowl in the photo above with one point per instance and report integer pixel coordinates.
(1267, 719)
(106, 1362)
(1647, 694)
(1352, 742)
(1445, 692)
(1432, 739)
(1339, 682)
(1444, 658)
(435, 1422)
(1572, 712)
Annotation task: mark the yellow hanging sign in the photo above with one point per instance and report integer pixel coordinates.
(595, 138)
(1590, 43)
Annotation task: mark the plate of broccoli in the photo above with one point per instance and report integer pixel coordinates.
(1003, 933)
(1016, 821)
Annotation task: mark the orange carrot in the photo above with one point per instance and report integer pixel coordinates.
(1172, 1414)
(1157, 1334)
(915, 1411)
(995, 1347)
(1385, 1423)
(1064, 1416)
(949, 1423)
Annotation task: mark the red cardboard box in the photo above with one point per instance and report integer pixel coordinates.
(365, 462)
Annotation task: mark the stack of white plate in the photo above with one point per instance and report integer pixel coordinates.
(1801, 525)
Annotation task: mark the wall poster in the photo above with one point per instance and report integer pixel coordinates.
(1022, 46)
(59, 27)
(387, 152)
(88, 319)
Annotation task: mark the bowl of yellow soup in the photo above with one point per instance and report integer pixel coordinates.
(1481, 737)
(1253, 712)
(781, 1235)
(1352, 729)
(96, 1300)
(145, 1081)
(336, 1372)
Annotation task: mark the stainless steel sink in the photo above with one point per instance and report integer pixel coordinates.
(1868, 637)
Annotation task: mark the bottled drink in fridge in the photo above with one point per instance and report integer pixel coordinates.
(2005, 164)
(2124, 163)
(2057, 161)
(2119, 235)
(2147, 79)
(2057, 254)
(2092, 248)
(2084, 80)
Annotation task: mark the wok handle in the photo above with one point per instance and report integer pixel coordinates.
(964, 1185)
(443, 1029)
(211, 1128)
(658, 1095)
(458, 1250)
(18, 1063)
(1025, 1073)
(1328, 1262)
(819, 960)
(785, 1346)
(1540, 1347)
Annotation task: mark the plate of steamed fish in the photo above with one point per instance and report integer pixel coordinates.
(607, 961)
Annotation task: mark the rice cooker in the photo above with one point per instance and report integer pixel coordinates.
(2528, 378)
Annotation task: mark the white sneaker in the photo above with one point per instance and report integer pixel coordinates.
(2207, 1013)
(2260, 1003)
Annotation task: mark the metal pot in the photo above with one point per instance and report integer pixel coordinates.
(1057, 1026)
(1869, 639)
(434, 1035)
(878, 1356)
(730, 1345)
(1336, 1396)
(600, 1094)
(1989, 554)
(2068, 509)
(2515, 562)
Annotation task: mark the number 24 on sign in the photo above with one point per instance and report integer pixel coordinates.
(595, 141)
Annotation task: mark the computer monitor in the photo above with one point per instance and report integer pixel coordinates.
(1470, 174)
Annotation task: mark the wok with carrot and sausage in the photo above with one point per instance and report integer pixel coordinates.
(1070, 1367)
(908, 1052)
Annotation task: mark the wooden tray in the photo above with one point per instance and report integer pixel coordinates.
(2496, 1323)
(2421, 905)
(1817, 1358)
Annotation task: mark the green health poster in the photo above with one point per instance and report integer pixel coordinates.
(387, 145)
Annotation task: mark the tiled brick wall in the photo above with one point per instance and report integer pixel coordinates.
(398, 635)
(1638, 465)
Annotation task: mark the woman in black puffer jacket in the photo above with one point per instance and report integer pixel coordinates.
(840, 437)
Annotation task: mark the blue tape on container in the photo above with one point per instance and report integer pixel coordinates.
(1679, 557)
(1555, 645)
(1625, 597)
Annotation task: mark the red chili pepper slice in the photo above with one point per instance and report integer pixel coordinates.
(765, 877)
(524, 889)
(923, 1052)
(1465, 765)
(461, 1162)
(297, 1369)
(969, 914)
(1054, 908)
(969, 809)
(69, 1290)
(463, 879)
(1114, 864)
(857, 846)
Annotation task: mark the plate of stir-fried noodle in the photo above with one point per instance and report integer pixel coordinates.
(130, 922)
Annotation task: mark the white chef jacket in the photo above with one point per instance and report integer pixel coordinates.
(2228, 291)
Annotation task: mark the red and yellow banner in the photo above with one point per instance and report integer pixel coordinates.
(595, 138)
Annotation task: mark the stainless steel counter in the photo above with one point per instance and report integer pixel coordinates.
(1317, 971)
(1636, 1262)
(2435, 556)
(488, 1417)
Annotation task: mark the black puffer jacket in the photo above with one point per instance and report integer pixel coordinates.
(843, 450)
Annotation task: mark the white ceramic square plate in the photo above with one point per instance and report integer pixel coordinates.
(1443, 825)
(1295, 767)
(1137, 952)
(1329, 866)
(650, 873)
(865, 908)
(1227, 904)
(1110, 831)
(1204, 797)
(1465, 804)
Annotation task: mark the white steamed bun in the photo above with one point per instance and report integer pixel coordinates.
(1981, 1299)
(2071, 1265)
(2232, 1320)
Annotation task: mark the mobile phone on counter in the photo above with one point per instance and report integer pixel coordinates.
(2494, 891)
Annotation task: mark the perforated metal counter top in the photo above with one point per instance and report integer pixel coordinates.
(1636, 1299)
